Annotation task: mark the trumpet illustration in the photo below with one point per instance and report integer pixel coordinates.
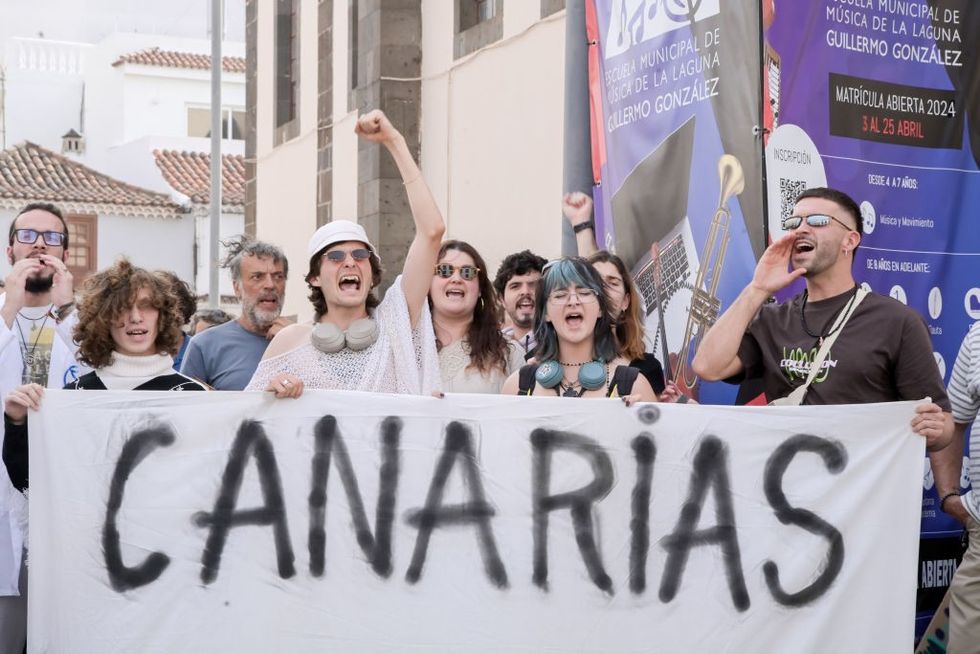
(705, 305)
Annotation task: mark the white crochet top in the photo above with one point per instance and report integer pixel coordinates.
(402, 360)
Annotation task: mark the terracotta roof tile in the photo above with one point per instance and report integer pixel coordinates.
(29, 173)
(172, 59)
(190, 174)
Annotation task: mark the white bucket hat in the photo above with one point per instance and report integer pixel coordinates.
(338, 231)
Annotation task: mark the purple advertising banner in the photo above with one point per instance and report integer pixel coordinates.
(878, 98)
(676, 106)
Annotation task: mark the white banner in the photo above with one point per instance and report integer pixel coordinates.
(229, 522)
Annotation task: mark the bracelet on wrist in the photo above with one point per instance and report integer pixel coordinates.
(62, 312)
(581, 227)
(945, 497)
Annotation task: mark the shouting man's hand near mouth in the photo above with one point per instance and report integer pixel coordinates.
(772, 274)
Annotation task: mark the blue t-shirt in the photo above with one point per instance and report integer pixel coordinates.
(179, 359)
(224, 357)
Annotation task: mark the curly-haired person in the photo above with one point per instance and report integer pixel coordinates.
(186, 307)
(128, 330)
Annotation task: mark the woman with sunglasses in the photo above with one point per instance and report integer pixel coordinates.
(624, 300)
(474, 355)
(577, 354)
(357, 342)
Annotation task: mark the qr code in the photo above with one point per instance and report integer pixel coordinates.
(789, 190)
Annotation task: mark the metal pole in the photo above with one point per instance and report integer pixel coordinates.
(577, 173)
(3, 114)
(214, 292)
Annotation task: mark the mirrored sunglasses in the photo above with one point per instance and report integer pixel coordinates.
(813, 220)
(339, 256)
(446, 270)
(29, 237)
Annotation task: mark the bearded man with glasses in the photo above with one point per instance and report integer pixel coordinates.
(36, 347)
(37, 306)
(882, 352)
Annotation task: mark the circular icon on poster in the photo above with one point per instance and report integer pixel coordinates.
(898, 293)
(935, 303)
(866, 286)
(941, 362)
(868, 217)
(971, 303)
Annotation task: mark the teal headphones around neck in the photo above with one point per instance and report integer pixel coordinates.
(591, 375)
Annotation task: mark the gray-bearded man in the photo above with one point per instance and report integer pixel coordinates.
(225, 357)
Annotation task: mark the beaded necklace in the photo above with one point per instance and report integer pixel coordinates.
(29, 351)
(568, 390)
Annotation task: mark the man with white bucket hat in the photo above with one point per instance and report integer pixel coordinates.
(356, 342)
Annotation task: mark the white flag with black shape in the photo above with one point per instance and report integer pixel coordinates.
(230, 522)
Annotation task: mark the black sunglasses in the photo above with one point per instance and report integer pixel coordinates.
(446, 270)
(339, 256)
(29, 237)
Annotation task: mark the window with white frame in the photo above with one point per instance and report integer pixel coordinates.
(232, 122)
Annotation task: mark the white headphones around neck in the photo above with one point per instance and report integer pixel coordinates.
(329, 338)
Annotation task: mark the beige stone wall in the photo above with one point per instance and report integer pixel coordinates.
(344, 139)
(491, 135)
(286, 174)
(492, 131)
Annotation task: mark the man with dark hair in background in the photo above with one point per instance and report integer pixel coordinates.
(225, 357)
(516, 283)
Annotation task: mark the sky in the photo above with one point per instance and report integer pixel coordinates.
(89, 21)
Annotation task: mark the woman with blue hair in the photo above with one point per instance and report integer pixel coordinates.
(577, 353)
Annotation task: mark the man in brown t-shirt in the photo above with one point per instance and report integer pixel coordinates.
(883, 352)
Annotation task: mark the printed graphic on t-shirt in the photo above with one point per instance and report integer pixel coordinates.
(796, 363)
(36, 350)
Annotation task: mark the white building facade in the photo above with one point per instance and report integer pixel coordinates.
(127, 95)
